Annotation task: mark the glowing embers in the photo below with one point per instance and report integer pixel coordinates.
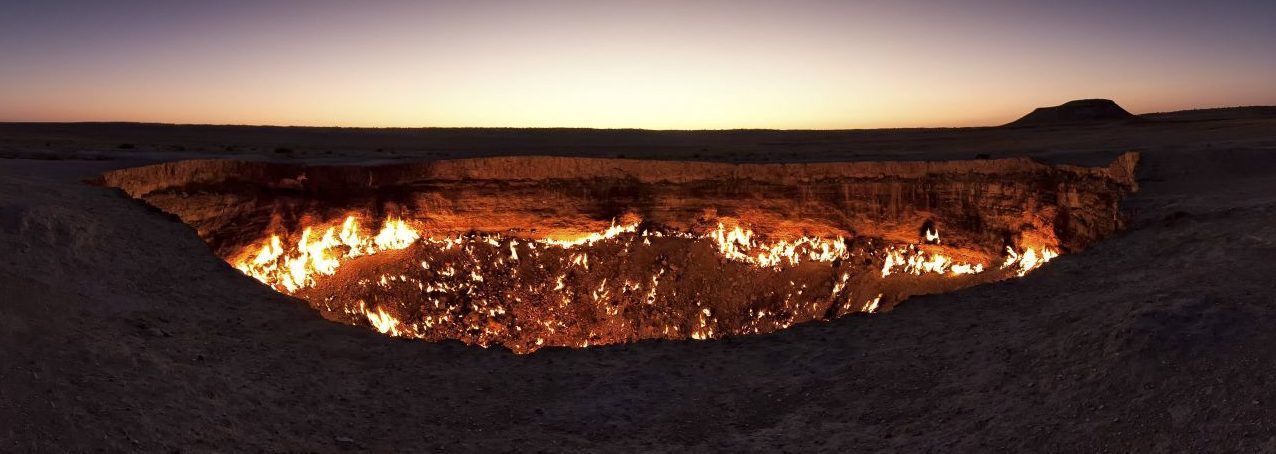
(623, 283)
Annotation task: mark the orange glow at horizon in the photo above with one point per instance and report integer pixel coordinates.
(656, 65)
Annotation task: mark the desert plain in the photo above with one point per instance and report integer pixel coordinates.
(121, 331)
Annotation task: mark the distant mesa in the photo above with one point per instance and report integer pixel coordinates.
(1083, 111)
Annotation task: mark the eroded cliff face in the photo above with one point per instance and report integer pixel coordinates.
(529, 252)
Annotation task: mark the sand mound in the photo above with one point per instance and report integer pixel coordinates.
(1082, 111)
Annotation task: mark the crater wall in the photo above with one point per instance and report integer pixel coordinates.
(529, 252)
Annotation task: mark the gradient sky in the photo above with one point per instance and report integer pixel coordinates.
(642, 64)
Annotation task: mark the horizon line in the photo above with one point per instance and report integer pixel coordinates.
(266, 125)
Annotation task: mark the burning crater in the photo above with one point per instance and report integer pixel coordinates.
(529, 252)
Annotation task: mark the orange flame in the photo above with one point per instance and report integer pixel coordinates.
(915, 261)
(295, 269)
(1030, 259)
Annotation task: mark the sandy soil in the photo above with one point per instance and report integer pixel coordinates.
(120, 331)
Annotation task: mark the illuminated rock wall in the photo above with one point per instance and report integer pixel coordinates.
(501, 249)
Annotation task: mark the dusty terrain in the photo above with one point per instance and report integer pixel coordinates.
(121, 331)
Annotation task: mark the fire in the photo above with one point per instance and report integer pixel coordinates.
(611, 232)
(395, 234)
(481, 295)
(932, 235)
(1030, 259)
(871, 305)
(384, 323)
(738, 244)
(913, 260)
(296, 268)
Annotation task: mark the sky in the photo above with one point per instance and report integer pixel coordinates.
(625, 64)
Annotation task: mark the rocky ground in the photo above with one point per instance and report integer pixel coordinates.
(120, 331)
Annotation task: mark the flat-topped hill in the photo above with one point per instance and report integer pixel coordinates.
(1076, 112)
